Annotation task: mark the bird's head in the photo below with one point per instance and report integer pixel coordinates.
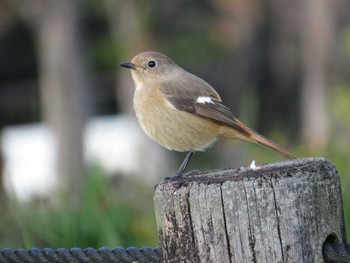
(150, 67)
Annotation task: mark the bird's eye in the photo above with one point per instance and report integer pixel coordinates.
(152, 63)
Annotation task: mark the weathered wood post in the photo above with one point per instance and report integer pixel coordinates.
(280, 212)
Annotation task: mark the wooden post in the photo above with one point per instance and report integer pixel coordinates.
(279, 212)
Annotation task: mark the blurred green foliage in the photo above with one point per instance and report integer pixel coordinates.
(339, 144)
(108, 216)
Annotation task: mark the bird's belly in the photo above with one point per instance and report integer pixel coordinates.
(177, 130)
(178, 134)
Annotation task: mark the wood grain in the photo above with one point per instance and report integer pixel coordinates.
(280, 212)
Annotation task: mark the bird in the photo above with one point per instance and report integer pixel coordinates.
(181, 111)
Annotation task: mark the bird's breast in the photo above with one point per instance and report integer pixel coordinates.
(174, 129)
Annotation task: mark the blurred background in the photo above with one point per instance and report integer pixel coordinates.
(75, 168)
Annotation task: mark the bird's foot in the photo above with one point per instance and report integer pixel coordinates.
(186, 174)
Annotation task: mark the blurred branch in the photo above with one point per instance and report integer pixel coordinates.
(316, 33)
(63, 82)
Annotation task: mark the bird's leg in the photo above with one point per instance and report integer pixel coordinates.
(184, 164)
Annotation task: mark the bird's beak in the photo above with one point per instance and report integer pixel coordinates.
(128, 65)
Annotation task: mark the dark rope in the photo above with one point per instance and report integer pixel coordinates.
(78, 255)
(333, 252)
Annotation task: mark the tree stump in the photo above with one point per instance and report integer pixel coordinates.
(280, 212)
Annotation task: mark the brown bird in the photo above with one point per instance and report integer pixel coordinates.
(181, 111)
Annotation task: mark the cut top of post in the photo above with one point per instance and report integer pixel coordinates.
(289, 168)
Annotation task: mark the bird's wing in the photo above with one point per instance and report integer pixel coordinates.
(202, 101)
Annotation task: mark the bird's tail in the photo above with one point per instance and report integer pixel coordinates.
(247, 134)
(261, 140)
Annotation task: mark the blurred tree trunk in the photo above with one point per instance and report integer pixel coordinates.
(260, 33)
(63, 85)
(278, 68)
(316, 33)
(237, 24)
(131, 34)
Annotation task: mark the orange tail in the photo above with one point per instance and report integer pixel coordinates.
(246, 134)
(261, 140)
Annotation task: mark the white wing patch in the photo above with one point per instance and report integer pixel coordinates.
(204, 100)
(171, 105)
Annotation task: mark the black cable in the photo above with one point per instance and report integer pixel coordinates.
(333, 252)
(78, 255)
